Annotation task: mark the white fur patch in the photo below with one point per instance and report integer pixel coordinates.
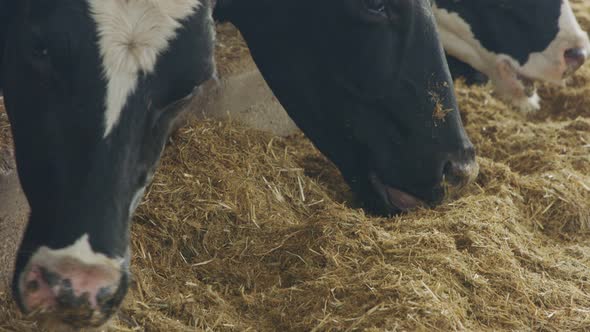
(459, 41)
(80, 251)
(132, 34)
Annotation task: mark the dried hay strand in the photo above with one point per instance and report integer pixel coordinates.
(243, 231)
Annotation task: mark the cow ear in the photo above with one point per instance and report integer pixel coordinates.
(166, 118)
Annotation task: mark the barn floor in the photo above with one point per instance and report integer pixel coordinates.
(245, 231)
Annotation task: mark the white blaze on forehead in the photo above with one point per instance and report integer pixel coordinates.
(132, 34)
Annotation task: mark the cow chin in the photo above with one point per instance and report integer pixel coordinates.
(514, 87)
(48, 322)
(394, 199)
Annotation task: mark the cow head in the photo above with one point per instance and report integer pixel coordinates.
(514, 42)
(368, 83)
(91, 89)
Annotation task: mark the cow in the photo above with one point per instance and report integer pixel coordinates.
(513, 43)
(92, 88)
(359, 78)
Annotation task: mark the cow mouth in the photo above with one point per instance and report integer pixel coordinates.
(569, 72)
(393, 197)
(519, 84)
(528, 84)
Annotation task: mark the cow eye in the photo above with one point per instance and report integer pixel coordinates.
(376, 7)
(39, 48)
(41, 52)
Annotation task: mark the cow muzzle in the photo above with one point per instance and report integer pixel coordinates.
(71, 288)
(574, 58)
(457, 171)
(77, 295)
(73, 294)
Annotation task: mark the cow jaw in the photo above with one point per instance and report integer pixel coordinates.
(393, 197)
(514, 87)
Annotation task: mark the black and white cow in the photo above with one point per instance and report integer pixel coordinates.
(513, 43)
(92, 86)
(363, 79)
(91, 89)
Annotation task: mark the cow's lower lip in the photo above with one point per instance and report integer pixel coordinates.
(394, 197)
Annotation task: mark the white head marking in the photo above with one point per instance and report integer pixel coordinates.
(132, 34)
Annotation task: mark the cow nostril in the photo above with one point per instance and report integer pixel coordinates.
(452, 174)
(469, 154)
(575, 58)
(459, 174)
(50, 278)
(33, 286)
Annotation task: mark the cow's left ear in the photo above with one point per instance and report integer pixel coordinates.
(165, 119)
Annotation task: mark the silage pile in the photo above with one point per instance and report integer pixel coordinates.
(244, 231)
